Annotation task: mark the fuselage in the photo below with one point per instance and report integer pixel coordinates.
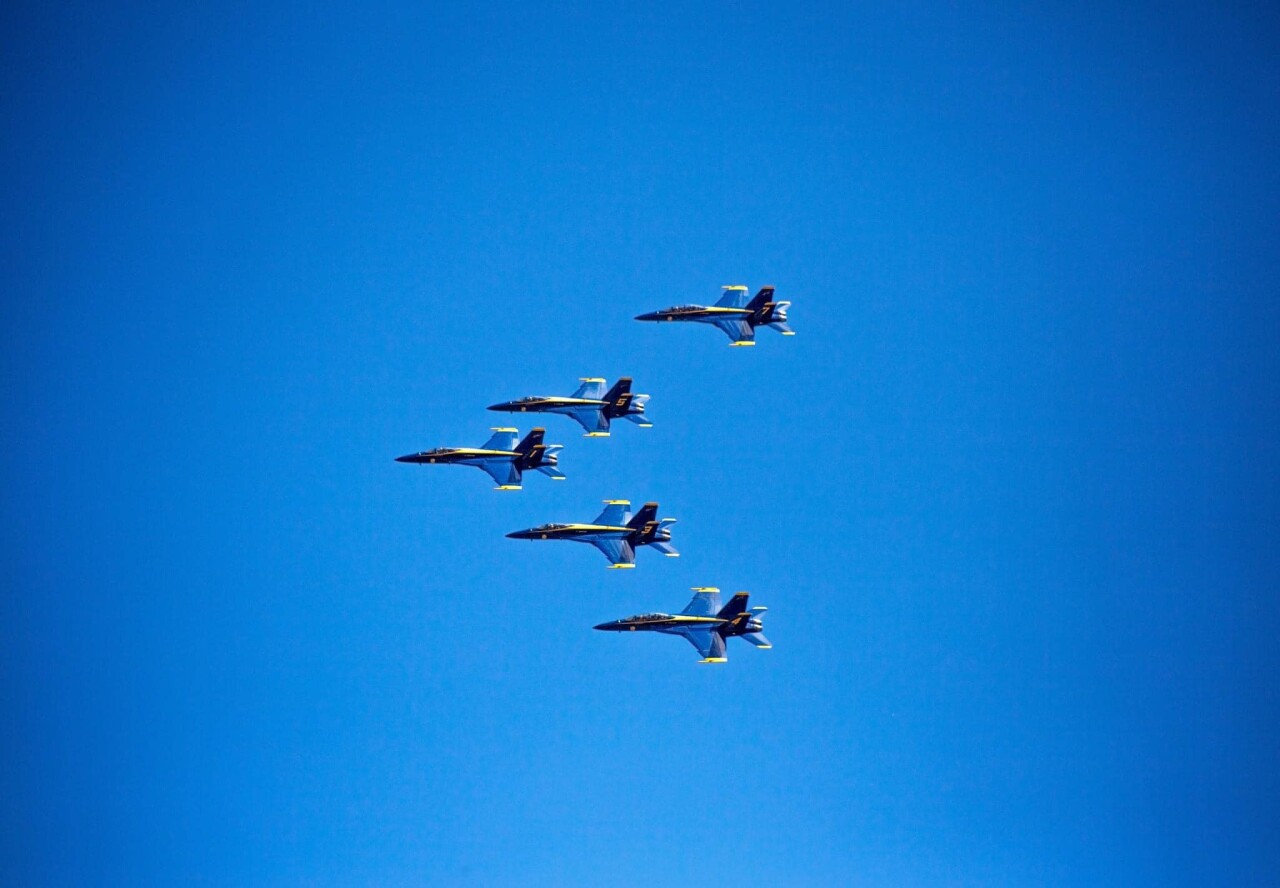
(676, 623)
(709, 313)
(588, 533)
(469, 456)
(546, 404)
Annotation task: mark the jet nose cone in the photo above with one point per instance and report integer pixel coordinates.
(409, 457)
(648, 316)
(505, 405)
(518, 535)
(608, 627)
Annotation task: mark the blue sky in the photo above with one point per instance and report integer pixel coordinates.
(1010, 494)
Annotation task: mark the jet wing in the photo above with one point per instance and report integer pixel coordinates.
(734, 297)
(616, 513)
(592, 419)
(591, 388)
(503, 471)
(709, 643)
(737, 329)
(503, 439)
(617, 551)
(706, 603)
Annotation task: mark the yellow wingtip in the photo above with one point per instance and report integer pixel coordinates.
(621, 566)
(508, 487)
(714, 660)
(741, 344)
(617, 502)
(706, 588)
(734, 287)
(502, 429)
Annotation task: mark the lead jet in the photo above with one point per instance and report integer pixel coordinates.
(500, 456)
(704, 623)
(590, 406)
(733, 314)
(614, 532)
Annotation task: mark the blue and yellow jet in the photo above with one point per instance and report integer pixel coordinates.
(704, 623)
(590, 406)
(614, 532)
(733, 314)
(500, 456)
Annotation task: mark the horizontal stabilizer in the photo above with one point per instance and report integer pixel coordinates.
(758, 639)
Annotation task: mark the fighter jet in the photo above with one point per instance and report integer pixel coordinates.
(500, 456)
(614, 532)
(733, 314)
(590, 406)
(704, 623)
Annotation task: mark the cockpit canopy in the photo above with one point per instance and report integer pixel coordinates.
(550, 526)
(647, 618)
(684, 308)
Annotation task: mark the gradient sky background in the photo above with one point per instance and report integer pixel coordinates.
(1010, 494)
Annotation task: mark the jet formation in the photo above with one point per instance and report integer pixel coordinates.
(617, 533)
(703, 623)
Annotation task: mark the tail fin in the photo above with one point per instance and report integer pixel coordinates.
(618, 398)
(761, 299)
(534, 454)
(647, 514)
(531, 441)
(737, 606)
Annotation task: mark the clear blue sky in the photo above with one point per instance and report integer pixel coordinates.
(1010, 494)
